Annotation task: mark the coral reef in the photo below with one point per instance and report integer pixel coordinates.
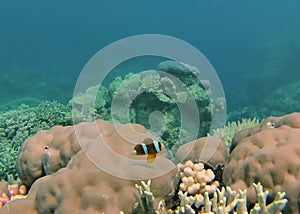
(145, 204)
(15, 104)
(135, 97)
(194, 183)
(84, 105)
(17, 125)
(10, 192)
(279, 101)
(76, 163)
(276, 61)
(226, 201)
(209, 149)
(195, 179)
(49, 150)
(74, 173)
(267, 153)
(187, 73)
(227, 132)
(198, 192)
(162, 92)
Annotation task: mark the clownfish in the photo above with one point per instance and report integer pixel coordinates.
(148, 147)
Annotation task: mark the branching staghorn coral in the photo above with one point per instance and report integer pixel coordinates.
(261, 206)
(226, 201)
(199, 193)
(227, 132)
(146, 199)
(192, 199)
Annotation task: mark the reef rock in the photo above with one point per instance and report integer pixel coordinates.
(177, 67)
(88, 168)
(268, 153)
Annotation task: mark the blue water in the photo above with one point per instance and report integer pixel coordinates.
(45, 44)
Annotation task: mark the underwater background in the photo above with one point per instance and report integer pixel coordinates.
(253, 46)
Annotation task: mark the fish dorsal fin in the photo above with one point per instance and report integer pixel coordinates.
(147, 141)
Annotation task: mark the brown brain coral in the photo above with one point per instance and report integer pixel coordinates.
(206, 149)
(76, 181)
(50, 150)
(268, 153)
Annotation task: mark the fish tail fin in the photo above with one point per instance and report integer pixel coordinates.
(132, 153)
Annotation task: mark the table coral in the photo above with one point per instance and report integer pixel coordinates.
(269, 153)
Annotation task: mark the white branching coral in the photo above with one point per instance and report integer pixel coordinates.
(201, 200)
(145, 203)
(261, 206)
(226, 200)
(198, 192)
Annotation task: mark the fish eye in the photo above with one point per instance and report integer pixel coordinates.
(271, 124)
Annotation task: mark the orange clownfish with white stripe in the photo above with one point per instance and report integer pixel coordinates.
(149, 147)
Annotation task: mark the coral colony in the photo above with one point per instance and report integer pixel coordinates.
(253, 170)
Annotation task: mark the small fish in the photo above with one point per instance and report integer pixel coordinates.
(148, 147)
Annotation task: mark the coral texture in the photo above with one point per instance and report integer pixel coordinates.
(227, 132)
(145, 204)
(226, 201)
(198, 192)
(208, 149)
(10, 192)
(49, 150)
(195, 179)
(268, 153)
(168, 90)
(195, 182)
(77, 177)
(18, 125)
